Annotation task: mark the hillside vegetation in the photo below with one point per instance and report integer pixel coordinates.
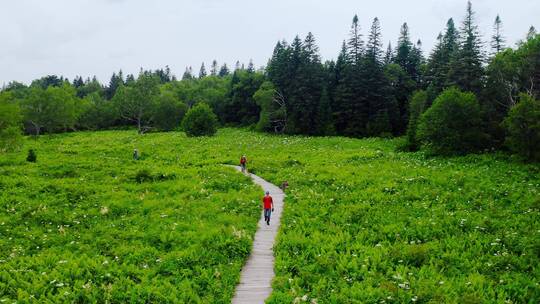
(362, 223)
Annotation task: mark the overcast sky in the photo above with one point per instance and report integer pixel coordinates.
(97, 37)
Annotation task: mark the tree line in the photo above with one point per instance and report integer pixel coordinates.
(457, 99)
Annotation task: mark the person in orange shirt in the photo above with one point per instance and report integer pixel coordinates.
(268, 205)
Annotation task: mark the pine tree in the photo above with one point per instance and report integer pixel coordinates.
(214, 69)
(115, 82)
(202, 71)
(187, 74)
(531, 33)
(466, 69)
(497, 40)
(237, 66)
(377, 89)
(373, 48)
(355, 44)
(224, 71)
(417, 60)
(251, 67)
(404, 49)
(389, 56)
(78, 82)
(343, 93)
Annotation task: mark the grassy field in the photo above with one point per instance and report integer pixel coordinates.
(86, 223)
(363, 224)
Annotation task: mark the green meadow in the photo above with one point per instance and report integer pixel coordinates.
(362, 224)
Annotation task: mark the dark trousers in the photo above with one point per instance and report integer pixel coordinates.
(267, 214)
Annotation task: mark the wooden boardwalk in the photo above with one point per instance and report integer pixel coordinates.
(256, 277)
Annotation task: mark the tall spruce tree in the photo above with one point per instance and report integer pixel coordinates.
(214, 68)
(497, 40)
(389, 55)
(531, 33)
(351, 105)
(466, 71)
(202, 71)
(187, 74)
(251, 66)
(355, 44)
(224, 70)
(376, 84)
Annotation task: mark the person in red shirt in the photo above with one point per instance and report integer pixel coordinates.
(268, 205)
(243, 162)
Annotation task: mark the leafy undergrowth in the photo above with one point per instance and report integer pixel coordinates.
(86, 223)
(362, 224)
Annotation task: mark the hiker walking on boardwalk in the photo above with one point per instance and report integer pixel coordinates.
(243, 162)
(268, 207)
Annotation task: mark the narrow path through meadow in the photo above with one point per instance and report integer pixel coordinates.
(256, 277)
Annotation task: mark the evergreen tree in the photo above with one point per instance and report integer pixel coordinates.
(466, 71)
(377, 89)
(251, 67)
(343, 91)
(404, 49)
(114, 83)
(237, 66)
(355, 44)
(438, 65)
(497, 40)
(389, 55)
(202, 71)
(130, 79)
(78, 82)
(187, 74)
(531, 33)
(214, 69)
(224, 70)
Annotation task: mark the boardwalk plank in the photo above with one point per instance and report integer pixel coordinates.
(256, 278)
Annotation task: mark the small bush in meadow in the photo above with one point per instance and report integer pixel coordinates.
(143, 175)
(523, 127)
(453, 124)
(32, 156)
(200, 121)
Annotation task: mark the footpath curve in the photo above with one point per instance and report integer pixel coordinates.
(257, 274)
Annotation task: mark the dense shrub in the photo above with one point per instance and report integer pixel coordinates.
(200, 121)
(10, 125)
(453, 124)
(523, 127)
(31, 157)
(169, 112)
(417, 106)
(143, 175)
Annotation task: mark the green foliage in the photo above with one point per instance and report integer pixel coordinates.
(169, 111)
(10, 123)
(452, 124)
(32, 156)
(466, 70)
(143, 175)
(76, 227)
(417, 108)
(200, 121)
(136, 102)
(361, 223)
(96, 112)
(523, 127)
(52, 109)
(264, 97)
